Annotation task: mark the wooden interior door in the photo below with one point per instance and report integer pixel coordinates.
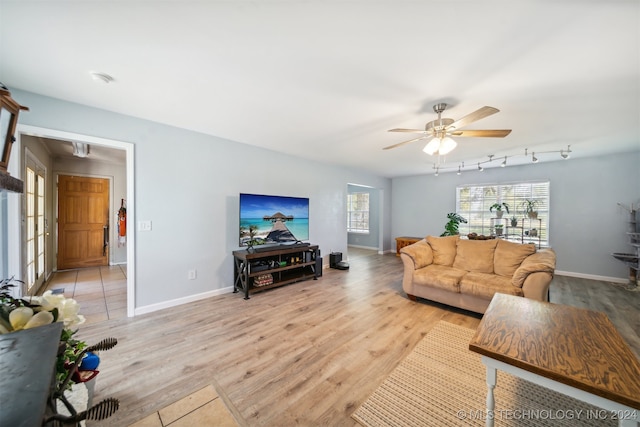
(83, 221)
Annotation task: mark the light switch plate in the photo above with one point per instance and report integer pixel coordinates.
(144, 225)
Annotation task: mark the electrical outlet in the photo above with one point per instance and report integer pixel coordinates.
(192, 274)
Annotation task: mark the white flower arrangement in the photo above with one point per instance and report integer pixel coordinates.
(39, 311)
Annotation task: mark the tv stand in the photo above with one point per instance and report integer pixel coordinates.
(256, 271)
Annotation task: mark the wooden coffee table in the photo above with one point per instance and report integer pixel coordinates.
(573, 351)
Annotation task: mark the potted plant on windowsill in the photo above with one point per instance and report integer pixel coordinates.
(500, 208)
(514, 221)
(530, 208)
(498, 229)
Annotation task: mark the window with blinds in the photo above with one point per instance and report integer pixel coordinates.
(473, 203)
(358, 212)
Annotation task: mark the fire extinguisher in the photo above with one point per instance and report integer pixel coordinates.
(122, 223)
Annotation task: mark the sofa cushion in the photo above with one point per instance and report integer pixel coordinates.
(420, 252)
(486, 285)
(444, 249)
(439, 276)
(509, 256)
(475, 255)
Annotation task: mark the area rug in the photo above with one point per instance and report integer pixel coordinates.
(442, 383)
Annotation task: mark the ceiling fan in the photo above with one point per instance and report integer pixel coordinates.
(442, 129)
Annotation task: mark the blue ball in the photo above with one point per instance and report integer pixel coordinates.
(90, 362)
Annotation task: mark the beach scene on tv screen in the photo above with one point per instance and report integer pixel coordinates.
(273, 219)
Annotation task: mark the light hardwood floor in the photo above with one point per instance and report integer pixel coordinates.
(304, 354)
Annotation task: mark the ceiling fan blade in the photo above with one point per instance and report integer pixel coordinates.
(399, 144)
(488, 133)
(480, 113)
(407, 130)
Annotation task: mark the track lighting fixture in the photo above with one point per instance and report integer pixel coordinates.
(564, 153)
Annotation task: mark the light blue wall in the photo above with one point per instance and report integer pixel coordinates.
(586, 224)
(187, 184)
(371, 239)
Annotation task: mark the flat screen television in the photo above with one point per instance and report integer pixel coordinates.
(268, 219)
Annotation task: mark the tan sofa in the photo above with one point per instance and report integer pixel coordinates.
(467, 273)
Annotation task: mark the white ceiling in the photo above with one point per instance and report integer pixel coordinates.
(325, 80)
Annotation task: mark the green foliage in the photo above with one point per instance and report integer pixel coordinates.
(451, 227)
(530, 205)
(70, 350)
(499, 207)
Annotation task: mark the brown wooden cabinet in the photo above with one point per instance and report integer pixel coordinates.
(259, 269)
(401, 242)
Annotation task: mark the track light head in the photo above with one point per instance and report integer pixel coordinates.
(534, 159)
(480, 168)
(459, 171)
(504, 162)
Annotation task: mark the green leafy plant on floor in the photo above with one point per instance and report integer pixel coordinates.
(451, 227)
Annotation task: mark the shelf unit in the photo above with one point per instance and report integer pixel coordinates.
(632, 260)
(496, 221)
(284, 265)
(522, 233)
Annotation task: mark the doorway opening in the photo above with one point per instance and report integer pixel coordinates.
(25, 131)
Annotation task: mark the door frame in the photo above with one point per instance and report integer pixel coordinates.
(128, 147)
(31, 157)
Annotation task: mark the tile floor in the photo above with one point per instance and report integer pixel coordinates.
(204, 408)
(100, 291)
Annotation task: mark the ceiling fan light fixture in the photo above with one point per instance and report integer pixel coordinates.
(447, 145)
(432, 146)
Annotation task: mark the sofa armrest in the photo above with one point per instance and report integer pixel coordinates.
(543, 261)
(417, 255)
(536, 285)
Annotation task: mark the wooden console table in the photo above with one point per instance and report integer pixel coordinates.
(401, 242)
(282, 264)
(573, 351)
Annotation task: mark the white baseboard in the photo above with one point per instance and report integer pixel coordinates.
(591, 277)
(373, 248)
(184, 300)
